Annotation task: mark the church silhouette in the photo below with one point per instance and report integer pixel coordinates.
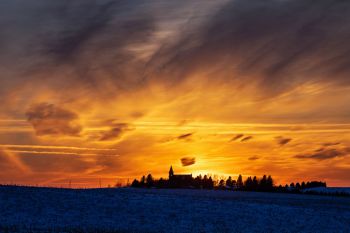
(179, 181)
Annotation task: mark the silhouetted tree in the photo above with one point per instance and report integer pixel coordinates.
(229, 182)
(239, 183)
(205, 182)
(234, 182)
(280, 188)
(222, 184)
(263, 183)
(210, 183)
(248, 184)
(161, 183)
(143, 181)
(269, 183)
(315, 184)
(135, 183)
(150, 181)
(255, 184)
(197, 182)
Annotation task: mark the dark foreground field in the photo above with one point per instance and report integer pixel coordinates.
(151, 210)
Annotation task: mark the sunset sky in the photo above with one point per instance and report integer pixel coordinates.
(115, 89)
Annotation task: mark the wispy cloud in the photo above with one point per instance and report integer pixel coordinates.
(327, 144)
(247, 138)
(325, 153)
(116, 131)
(282, 140)
(235, 138)
(186, 136)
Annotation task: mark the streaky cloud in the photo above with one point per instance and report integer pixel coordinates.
(235, 138)
(186, 136)
(245, 139)
(282, 140)
(325, 153)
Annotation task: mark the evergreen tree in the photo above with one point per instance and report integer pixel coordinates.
(135, 183)
(248, 184)
(229, 182)
(210, 183)
(263, 183)
(222, 184)
(234, 183)
(143, 181)
(269, 183)
(239, 183)
(198, 182)
(150, 181)
(255, 184)
(205, 182)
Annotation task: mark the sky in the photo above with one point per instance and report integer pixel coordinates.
(108, 90)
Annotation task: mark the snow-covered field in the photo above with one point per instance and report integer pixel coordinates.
(323, 190)
(152, 210)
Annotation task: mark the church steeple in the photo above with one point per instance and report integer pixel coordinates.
(171, 172)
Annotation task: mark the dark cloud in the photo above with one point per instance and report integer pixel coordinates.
(245, 139)
(186, 136)
(253, 158)
(188, 161)
(238, 136)
(282, 141)
(49, 119)
(325, 153)
(115, 132)
(83, 43)
(275, 44)
(93, 40)
(89, 20)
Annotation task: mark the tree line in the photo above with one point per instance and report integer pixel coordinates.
(263, 184)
